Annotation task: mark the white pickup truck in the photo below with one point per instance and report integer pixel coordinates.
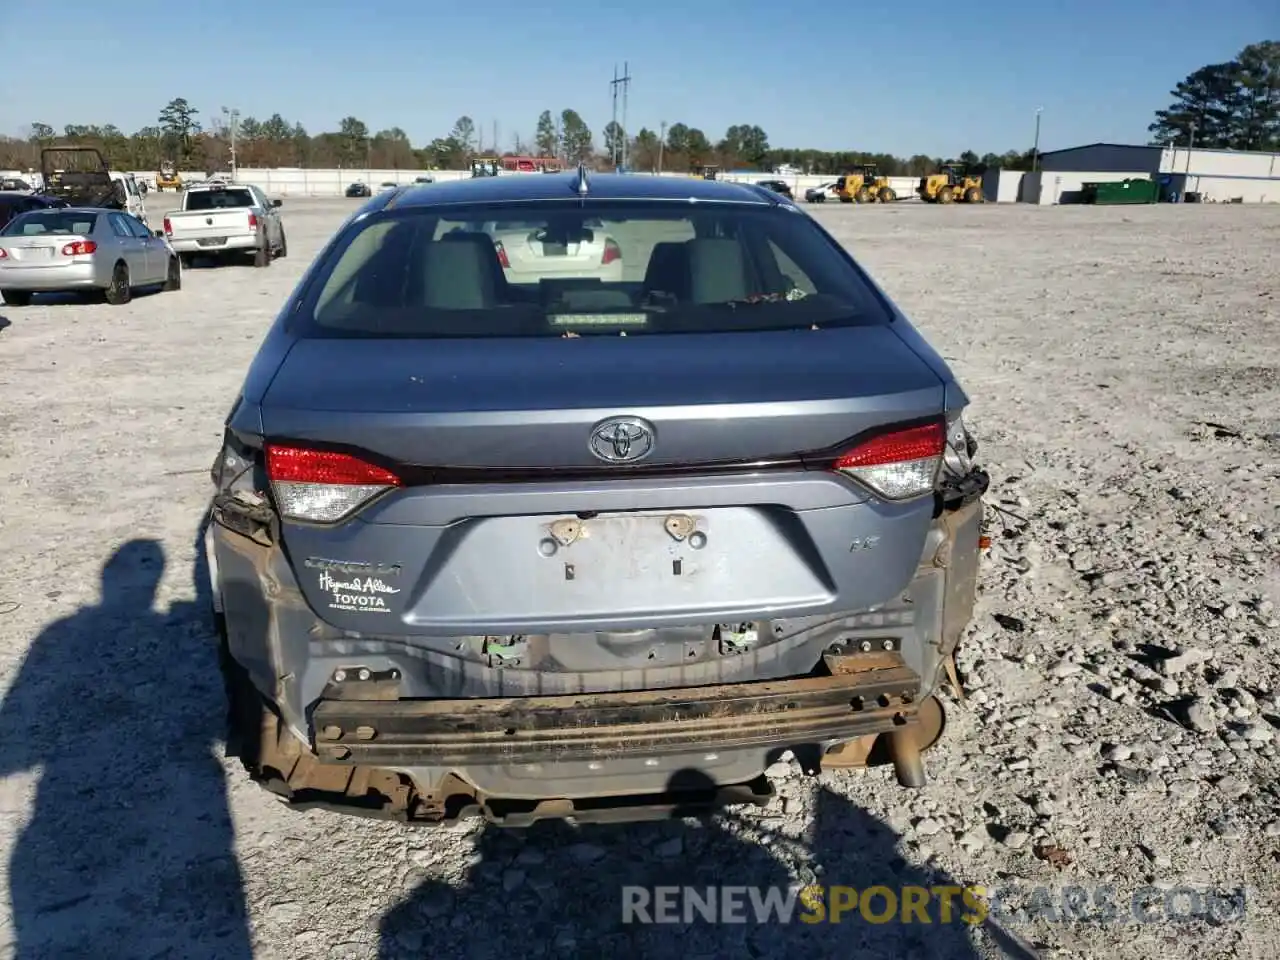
(226, 219)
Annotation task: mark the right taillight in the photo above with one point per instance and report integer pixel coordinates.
(253, 221)
(323, 486)
(611, 253)
(897, 464)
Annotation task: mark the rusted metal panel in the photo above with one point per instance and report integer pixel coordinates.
(529, 729)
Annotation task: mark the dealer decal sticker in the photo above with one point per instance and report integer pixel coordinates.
(359, 594)
(353, 566)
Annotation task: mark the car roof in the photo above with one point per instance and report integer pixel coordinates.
(62, 209)
(563, 186)
(27, 195)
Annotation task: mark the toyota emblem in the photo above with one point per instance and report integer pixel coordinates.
(622, 439)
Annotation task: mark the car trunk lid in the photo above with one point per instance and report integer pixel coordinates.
(540, 551)
(533, 402)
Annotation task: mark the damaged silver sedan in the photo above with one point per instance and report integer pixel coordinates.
(600, 544)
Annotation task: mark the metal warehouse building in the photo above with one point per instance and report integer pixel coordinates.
(1216, 175)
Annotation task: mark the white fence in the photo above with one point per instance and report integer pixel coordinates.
(297, 182)
(332, 183)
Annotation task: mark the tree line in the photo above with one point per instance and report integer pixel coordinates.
(181, 136)
(1230, 106)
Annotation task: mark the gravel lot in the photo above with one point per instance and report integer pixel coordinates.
(1122, 718)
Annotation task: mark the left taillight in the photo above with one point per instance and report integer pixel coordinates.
(322, 486)
(4, 254)
(898, 464)
(79, 248)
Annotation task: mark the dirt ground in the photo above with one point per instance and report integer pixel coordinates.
(1120, 731)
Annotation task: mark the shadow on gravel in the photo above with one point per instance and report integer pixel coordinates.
(129, 848)
(558, 891)
(4, 322)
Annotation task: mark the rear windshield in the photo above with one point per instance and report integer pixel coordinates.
(38, 222)
(565, 269)
(216, 199)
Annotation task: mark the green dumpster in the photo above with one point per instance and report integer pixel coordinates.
(1135, 190)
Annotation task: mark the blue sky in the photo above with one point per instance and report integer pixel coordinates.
(914, 79)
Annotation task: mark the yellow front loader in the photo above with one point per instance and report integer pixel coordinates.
(167, 178)
(864, 185)
(955, 182)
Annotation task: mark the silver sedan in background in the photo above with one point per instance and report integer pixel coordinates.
(73, 249)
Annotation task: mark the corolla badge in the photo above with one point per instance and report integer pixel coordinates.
(622, 439)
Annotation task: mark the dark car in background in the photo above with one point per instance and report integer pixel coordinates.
(777, 186)
(601, 537)
(12, 204)
(819, 193)
(359, 190)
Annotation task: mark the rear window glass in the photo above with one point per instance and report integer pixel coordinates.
(38, 222)
(216, 199)
(566, 269)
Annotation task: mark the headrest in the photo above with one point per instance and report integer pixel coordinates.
(717, 271)
(668, 269)
(461, 272)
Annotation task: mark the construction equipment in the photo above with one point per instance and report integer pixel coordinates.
(167, 177)
(80, 177)
(704, 171)
(953, 182)
(864, 184)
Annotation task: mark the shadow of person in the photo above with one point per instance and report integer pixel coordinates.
(559, 891)
(129, 847)
(867, 881)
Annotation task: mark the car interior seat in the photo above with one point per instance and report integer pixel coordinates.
(718, 271)
(668, 270)
(461, 272)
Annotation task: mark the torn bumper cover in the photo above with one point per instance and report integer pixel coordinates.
(810, 710)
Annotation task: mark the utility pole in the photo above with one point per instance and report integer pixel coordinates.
(496, 149)
(1035, 150)
(618, 152)
(662, 143)
(613, 116)
(626, 137)
(233, 123)
(1186, 170)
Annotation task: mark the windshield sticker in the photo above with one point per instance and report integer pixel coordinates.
(598, 319)
(358, 594)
